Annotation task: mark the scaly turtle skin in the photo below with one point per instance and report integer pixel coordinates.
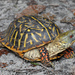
(31, 36)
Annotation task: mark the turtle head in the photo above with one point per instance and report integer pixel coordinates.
(67, 38)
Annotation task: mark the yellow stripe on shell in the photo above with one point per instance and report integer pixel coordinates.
(31, 42)
(21, 21)
(12, 35)
(53, 29)
(15, 25)
(49, 28)
(29, 20)
(44, 37)
(52, 34)
(23, 18)
(34, 37)
(15, 37)
(19, 41)
(26, 37)
(42, 26)
(9, 33)
(20, 27)
(38, 34)
(57, 31)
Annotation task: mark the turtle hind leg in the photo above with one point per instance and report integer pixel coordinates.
(45, 57)
(68, 53)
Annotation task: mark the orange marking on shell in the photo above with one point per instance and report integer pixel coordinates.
(20, 54)
(12, 47)
(7, 43)
(17, 48)
(2, 39)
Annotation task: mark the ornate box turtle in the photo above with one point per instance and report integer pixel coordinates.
(35, 38)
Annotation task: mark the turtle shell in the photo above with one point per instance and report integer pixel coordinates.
(29, 32)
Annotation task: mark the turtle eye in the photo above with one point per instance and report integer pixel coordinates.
(71, 36)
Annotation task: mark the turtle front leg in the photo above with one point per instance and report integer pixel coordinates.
(45, 57)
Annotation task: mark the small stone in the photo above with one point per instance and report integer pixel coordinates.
(54, 2)
(73, 62)
(11, 62)
(49, 16)
(19, 2)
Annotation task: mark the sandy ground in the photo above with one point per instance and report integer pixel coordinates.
(18, 66)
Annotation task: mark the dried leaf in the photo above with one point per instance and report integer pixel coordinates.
(32, 2)
(32, 10)
(3, 51)
(49, 16)
(3, 65)
(66, 20)
(72, 22)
